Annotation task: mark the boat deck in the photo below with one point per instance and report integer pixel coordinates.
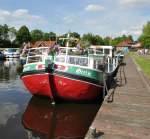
(126, 113)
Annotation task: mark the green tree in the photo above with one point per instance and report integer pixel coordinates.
(52, 36)
(72, 42)
(119, 39)
(97, 40)
(4, 37)
(23, 35)
(75, 35)
(145, 37)
(87, 38)
(4, 32)
(107, 41)
(130, 37)
(49, 36)
(92, 39)
(36, 35)
(46, 36)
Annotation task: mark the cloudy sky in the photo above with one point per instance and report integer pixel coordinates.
(103, 17)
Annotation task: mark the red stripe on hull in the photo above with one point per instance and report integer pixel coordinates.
(38, 84)
(70, 89)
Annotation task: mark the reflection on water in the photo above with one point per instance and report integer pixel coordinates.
(8, 69)
(9, 74)
(13, 100)
(37, 118)
(63, 121)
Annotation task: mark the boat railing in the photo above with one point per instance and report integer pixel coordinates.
(34, 59)
(83, 61)
(36, 54)
(93, 59)
(111, 64)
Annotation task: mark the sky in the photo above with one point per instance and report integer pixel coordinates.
(103, 17)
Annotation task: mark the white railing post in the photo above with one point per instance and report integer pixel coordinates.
(108, 64)
(116, 61)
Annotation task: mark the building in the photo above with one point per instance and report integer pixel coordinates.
(137, 46)
(125, 45)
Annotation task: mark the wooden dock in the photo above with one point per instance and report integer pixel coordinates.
(127, 114)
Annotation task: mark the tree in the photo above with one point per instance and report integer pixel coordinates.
(97, 40)
(49, 36)
(36, 35)
(120, 39)
(92, 39)
(130, 37)
(107, 41)
(23, 35)
(46, 36)
(145, 37)
(75, 35)
(87, 38)
(4, 32)
(4, 37)
(52, 36)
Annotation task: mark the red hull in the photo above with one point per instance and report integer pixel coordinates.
(38, 84)
(56, 86)
(71, 89)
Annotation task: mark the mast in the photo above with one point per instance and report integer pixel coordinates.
(67, 46)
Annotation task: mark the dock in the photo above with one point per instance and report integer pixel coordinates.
(125, 113)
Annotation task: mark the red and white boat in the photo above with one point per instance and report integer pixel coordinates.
(71, 74)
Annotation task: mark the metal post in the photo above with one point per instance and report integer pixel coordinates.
(67, 46)
(104, 85)
(114, 63)
(108, 64)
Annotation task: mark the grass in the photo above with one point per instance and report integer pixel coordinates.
(143, 62)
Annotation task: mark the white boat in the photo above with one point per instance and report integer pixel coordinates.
(11, 53)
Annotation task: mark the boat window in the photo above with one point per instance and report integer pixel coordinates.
(91, 51)
(32, 52)
(62, 50)
(34, 59)
(107, 51)
(98, 64)
(82, 61)
(44, 50)
(60, 58)
(11, 50)
(99, 51)
(40, 51)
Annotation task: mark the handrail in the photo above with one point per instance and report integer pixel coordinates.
(92, 61)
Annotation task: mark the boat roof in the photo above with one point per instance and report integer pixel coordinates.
(102, 46)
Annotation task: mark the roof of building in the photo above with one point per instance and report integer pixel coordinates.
(101, 46)
(42, 44)
(125, 43)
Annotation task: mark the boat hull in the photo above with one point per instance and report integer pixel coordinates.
(37, 83)
(59, 87)
(70, 89)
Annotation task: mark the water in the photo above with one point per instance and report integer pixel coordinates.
(25, 117)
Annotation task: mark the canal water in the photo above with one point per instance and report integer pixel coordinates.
(23, 116)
